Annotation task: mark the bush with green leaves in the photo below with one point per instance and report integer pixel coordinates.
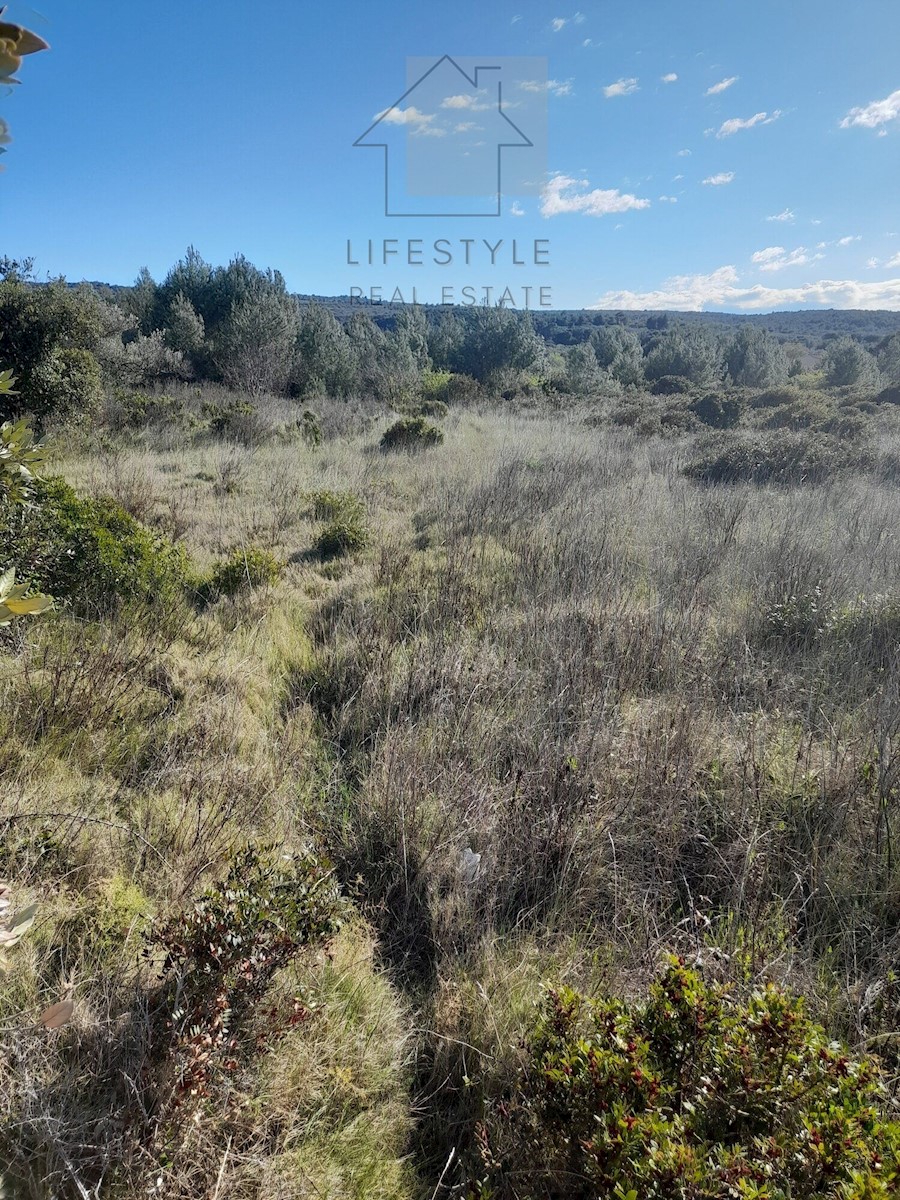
(134, 410)
(691, 1094)
(347, 530)
(672, 385)
(19, 454)
(411, 433)
(719, 411)
(47, 336)
(345, 534)
(777, 397)
(310, 429)
(220, 955)
(246, 568)
(90, 553)
(848, 364)
(790, 459)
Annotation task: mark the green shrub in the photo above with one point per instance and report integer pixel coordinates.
(245, 568)
(791, 459)
(91, 553)
(718, 411)
(327, 505)
(777, 397)
(220, 955)
(411, 433)
(688, 1094)
(136, 410)
(66, 386)
(679, 416)
(672, 385)
(802, 413)
(436, 409)
(225, 419)
(345, 534)
(310, 428)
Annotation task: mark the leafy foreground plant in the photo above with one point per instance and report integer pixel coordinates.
(222, 953)
(690, 1095)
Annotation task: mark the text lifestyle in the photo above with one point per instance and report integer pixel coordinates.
(448, 252)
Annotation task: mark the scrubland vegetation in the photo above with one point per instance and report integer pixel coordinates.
(452, 765)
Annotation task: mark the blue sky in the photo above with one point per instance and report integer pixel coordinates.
(723, 154)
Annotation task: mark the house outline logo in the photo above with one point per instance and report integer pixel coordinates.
(494, 186)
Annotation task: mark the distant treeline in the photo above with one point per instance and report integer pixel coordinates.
(240, 326)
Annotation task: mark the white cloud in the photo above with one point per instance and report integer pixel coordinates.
(670, 78)
(516, 19)
(562, 194)
(470, 103)
(723, 289)
(559, 23)
(555, 87)
(517, 210)
(879, 112)
(873, 264)
(719, 180)
(787, 215)
(763, 256)
(722, 86)
(466, 127)
(735, 125)
(776, 258)
(668, 199)
(893, 262)
(622, 87)
(848, 241)
(405, 116)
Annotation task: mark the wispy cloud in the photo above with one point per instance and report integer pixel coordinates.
(776, 258)
(516, 210)
(720, 180)
(873, 115)
(563, 194)
(668, 199)
(622, 87)
(787, 215)
(722, 86)
(848, 241)
(559, 23)
(405, 116)
(735, 125)
(670, 78)
(685, 153)
(470, 103)
(893, 262)
(554, 87)
(723, 289)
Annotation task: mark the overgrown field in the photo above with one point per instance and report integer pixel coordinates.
(471, 720)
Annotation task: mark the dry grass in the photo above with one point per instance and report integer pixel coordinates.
(665, 716)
